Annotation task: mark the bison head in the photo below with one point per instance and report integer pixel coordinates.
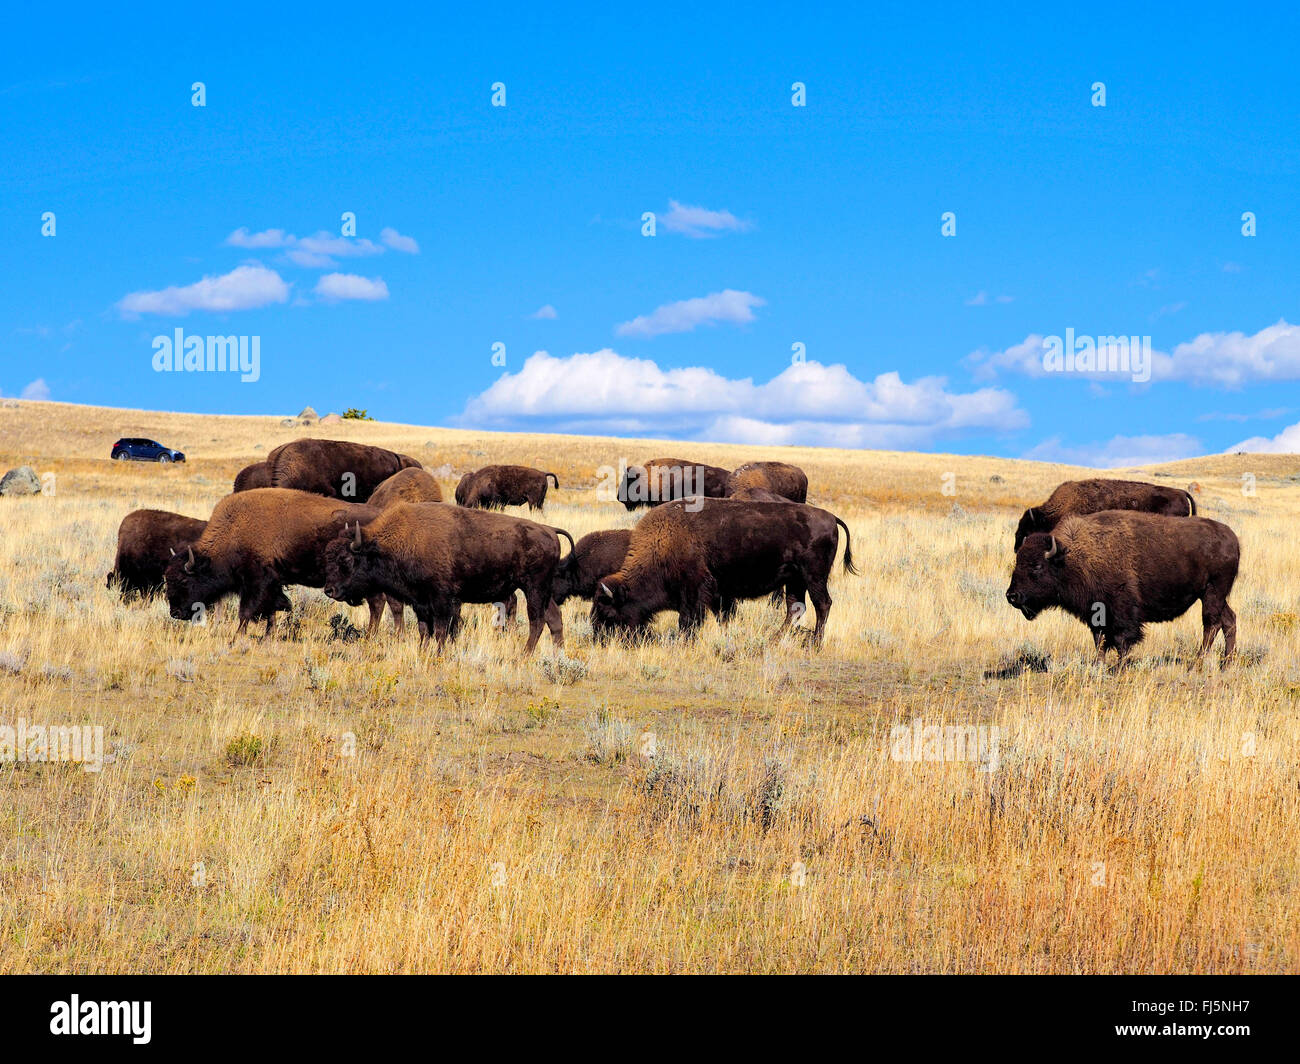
(613, 612)
(1038, 580)
(191, 581)
(565, 581)
(634, 488)
(350, 566)
(1031, 521)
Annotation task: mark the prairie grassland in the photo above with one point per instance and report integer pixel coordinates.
(310, 803)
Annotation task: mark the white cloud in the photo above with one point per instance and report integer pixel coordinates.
(1285, 442)
(267, 238)
(337, 286)
(397, 242)
(37, 389)
(683, 316)
(983, 299)
(699, 222)
(607, 393)
(544, 313)
(1119, 451)
(1221, 359)
(243, 288)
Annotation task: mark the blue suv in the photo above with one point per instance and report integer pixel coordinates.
(130, 448)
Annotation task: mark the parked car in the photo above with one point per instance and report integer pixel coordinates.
(134, 449)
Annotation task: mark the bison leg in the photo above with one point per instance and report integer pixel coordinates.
(555, 624)
(376, 604)
(536, 615)
(1216, 616)
(794, 611)
(821, 600)
(725, 609)
(398, 609)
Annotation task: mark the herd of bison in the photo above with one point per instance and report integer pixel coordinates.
(369, 525)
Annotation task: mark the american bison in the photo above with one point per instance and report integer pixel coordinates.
(695, 560)
(779, 478)
(407, 485)
(662, 480)
(335, 468)
(595, 555)
(434, 557)
(495, 487)
(257, 475)
(1119, 570)
(1093, 496)
(256, 542)
(146, 541)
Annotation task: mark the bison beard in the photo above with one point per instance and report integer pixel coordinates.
(704, 560)
(1079, 497)
(436, 557)
(1117, 571)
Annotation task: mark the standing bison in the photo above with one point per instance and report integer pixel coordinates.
(1093, 496)
(435, 557)
(662, 480)
(256, 542)
(595, 555)
(495, 487)
(146, 541)
(257, 475)
(696, 560)
(1119, 570)
(407, 485)
(779, 478)
(335, 468)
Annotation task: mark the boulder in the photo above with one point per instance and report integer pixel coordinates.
(308, 415)
(20, 481)
(331, 419)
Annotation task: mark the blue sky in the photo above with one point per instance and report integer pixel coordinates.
(775, 224)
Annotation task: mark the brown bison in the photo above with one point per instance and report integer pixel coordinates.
(1093, 496)
(495, 487)
(407, 485)
(778, 478)
(695, 560)
(257, 475)
(662, 480)
(146, 541)
(335, 468)
(256, 542)
(595, 555)
(1120, 570)
(434, 557)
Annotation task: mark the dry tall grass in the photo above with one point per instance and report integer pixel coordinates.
(316, 804)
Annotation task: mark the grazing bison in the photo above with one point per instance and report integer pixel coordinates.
(497, 486)
(665, 479)
(1093, 496)
(335, 468)
(146, 541)
(778, 478)
(257, 475)
(696, 560)
(595, 555)
(434, 557)
(1119, 570)
(408, 485)
(256, 542)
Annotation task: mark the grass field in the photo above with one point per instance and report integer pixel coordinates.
(320, 805)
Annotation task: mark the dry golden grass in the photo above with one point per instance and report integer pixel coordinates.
(501, 814)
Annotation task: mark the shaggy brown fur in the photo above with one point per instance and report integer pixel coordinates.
(662, 480)
(257, 475)
(146, 541)
(1120, 570)
(595, 555)
(778, 478)
(335, 468)
(1093, 496)
(408, 485)
(497, 486)
(701, 555)
(434, 557)
(256, 542)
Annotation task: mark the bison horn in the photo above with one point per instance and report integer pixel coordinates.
(189, 565)
(1053, 550)
(604, 587)
(173, 550)
(356, 540)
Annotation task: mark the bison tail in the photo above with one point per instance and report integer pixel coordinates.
(849, 567)
(553, 477)
(1191, 504)
(561, 532)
